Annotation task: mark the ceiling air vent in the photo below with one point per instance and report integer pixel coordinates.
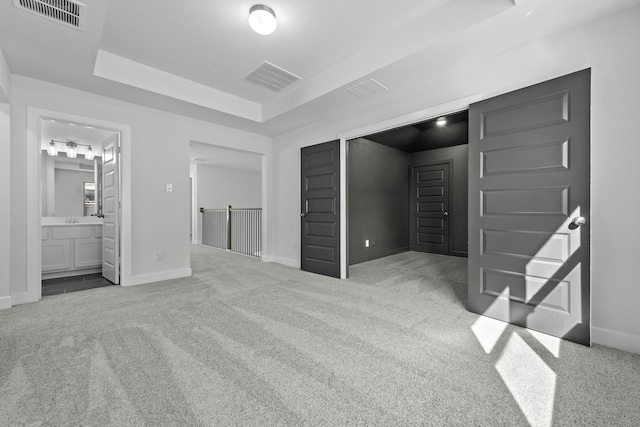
(271, 77)
(366, 89)
(66, 12)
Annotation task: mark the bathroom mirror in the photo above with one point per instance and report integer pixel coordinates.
(70, 186)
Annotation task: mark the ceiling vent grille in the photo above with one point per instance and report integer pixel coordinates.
(67, 12)
(366, 89)
(271, 77)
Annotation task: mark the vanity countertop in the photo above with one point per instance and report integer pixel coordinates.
(60, 221)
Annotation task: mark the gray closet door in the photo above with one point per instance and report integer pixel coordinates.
(320, 209)
(430, 208)
(529, 207)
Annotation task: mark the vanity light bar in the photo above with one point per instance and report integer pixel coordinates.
(72, 152)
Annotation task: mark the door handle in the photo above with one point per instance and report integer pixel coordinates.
(445, 214)
(578, 221)
(303, 214)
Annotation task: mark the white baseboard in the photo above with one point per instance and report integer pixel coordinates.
(616, 339)
(141, 279)
(286, 261)
(21, 298)
(5, 302)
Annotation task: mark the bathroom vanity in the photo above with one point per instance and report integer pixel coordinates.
(71, 249)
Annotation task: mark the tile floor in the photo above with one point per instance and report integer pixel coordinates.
(65, 285)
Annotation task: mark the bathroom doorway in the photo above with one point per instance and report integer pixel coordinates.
(79, 173)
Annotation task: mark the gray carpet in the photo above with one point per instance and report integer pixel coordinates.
(248, 343)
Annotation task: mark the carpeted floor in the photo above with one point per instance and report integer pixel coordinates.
(248, 343)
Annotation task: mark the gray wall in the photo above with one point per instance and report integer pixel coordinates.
(378, 200)
(458, 213)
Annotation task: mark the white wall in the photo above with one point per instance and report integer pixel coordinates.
(69, 190)
(610, 48)
(5, 212)
(5, 79)
(158, 154)
(5, 184)
(218, 187)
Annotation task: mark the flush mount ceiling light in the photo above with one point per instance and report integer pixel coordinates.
(441, 121)
(262, 19)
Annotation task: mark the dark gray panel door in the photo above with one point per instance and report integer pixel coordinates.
(529, 207)
(430, 208)
(320, 209)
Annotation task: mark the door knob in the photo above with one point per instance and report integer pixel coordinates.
(578, 221)
(303, 214)
(445, 214)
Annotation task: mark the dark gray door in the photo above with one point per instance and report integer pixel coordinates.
(529, 207)
(430, 208)
(320, 209)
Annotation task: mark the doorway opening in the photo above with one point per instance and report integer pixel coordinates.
(227, 198)
(80, 206)
(408, 190)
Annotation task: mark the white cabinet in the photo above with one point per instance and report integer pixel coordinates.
(70, 250)
(56, 255)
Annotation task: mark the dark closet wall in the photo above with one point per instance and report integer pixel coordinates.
(378, 200)
(459, 215)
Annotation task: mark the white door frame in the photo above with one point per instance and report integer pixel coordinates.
(395, 122)
(34, 198)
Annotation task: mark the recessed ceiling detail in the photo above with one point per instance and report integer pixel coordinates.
(271, 77)
(366, 89)
(66, 12)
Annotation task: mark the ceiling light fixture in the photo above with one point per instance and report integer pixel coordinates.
(441, 121)
(262, 19)
(72, 149)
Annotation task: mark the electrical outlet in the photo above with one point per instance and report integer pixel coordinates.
(373, 242)
(168, 188)
(158, 255)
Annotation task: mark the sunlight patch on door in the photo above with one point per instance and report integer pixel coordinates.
(530, 381)
(562, 244)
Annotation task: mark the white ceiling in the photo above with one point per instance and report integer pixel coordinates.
(190, 57)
